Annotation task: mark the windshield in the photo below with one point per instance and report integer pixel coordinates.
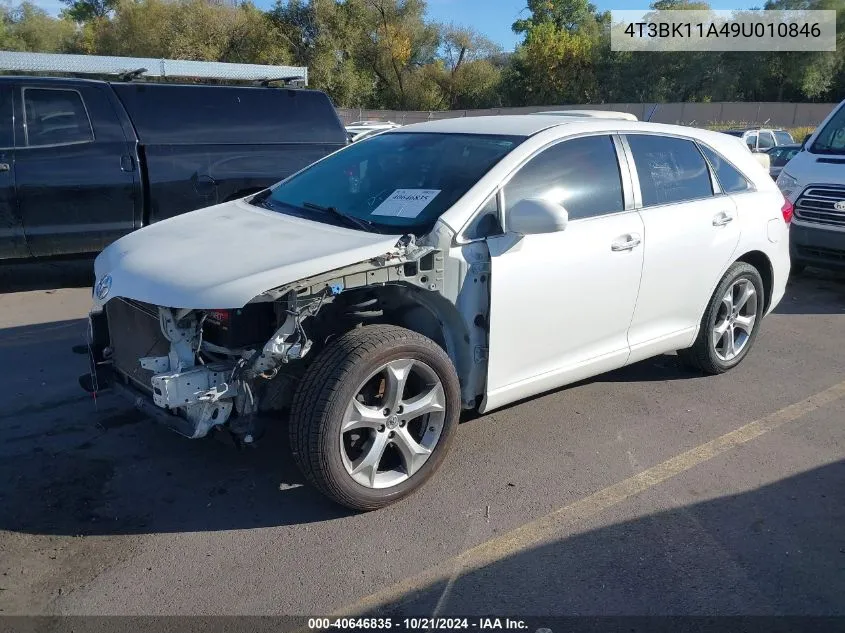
(831, 140)
(733, 133)
(393, 182)
(782, 156)
(784, 138)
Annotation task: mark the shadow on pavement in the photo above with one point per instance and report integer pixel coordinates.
(113, 471)
(814, 291)
(44, 275)
(775, 550)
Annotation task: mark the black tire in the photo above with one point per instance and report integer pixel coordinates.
(328, 387)
(702, 355)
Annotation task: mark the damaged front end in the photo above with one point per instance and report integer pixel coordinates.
(199, 369)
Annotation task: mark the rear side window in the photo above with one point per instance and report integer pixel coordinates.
(669, 169)
(581, 174)
(55, 117)
(730, 179)
(751, 141)
(174, 114)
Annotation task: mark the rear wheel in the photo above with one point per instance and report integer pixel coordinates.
(374, 415)
(730, 322)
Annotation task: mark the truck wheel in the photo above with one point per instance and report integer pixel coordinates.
(730, 323)
(374, 415)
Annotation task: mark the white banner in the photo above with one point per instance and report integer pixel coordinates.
(722, 30)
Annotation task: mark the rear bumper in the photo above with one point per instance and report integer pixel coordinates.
(817, 246)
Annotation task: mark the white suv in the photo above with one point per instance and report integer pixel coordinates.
(457, 264)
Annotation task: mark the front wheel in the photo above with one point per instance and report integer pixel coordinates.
(730, 323)
(374, 415)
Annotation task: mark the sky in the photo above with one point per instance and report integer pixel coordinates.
(492, 18)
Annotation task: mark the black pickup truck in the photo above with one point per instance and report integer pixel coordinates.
(84, 162)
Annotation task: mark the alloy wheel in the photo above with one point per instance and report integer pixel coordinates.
(393, 423)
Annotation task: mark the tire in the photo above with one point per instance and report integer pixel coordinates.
(363, 362)
(713, 356)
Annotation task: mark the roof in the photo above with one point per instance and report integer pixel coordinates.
(512, 124)
(592, 114)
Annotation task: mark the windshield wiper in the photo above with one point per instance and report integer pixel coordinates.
(364, 225)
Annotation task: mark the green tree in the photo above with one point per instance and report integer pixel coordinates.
(30, 28)
(86, 10)
(466, 69)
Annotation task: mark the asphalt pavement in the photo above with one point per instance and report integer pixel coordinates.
(647, 491)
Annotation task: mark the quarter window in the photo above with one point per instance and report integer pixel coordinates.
(581, 174)
(751, 141)
(55, 117)
(669, 169)
(730, 180)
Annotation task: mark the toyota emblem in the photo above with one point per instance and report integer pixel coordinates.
(839, 206)
(102, 288)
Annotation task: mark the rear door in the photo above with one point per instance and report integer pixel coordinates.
(561, 303)
(12, 240)
(75, 177)
(691, 229)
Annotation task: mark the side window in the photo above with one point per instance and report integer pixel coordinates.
(486, 223)
(730, 180)
(766, 140)
(751, 141)
(55, 117)
(669, 169)
(581, 174)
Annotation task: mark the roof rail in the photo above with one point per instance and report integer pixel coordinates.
(129, 68)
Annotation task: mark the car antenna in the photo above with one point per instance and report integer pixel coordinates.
(651, 114)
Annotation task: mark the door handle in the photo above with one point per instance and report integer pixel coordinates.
(723, 218)
(626, 243)
(4, 167)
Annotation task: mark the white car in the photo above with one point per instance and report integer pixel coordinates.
(458, 264)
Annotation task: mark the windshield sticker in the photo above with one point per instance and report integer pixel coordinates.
(406, 203)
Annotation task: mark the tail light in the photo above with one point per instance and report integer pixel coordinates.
(787, 211)
(220, 317)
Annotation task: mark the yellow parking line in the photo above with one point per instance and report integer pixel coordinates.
(548, 527)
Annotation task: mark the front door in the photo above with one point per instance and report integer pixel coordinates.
(76, 180)
(561, 303)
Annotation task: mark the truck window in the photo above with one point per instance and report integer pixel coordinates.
(831, 140)
(55, 117)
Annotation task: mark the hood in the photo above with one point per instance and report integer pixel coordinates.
(224, 256)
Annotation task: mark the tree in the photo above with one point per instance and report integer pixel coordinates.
(86, 10)
(29, 28)
(322, 35)
(397, 45)
(465, 69)
(567, 15)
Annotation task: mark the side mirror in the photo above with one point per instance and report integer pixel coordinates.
(534, 215)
